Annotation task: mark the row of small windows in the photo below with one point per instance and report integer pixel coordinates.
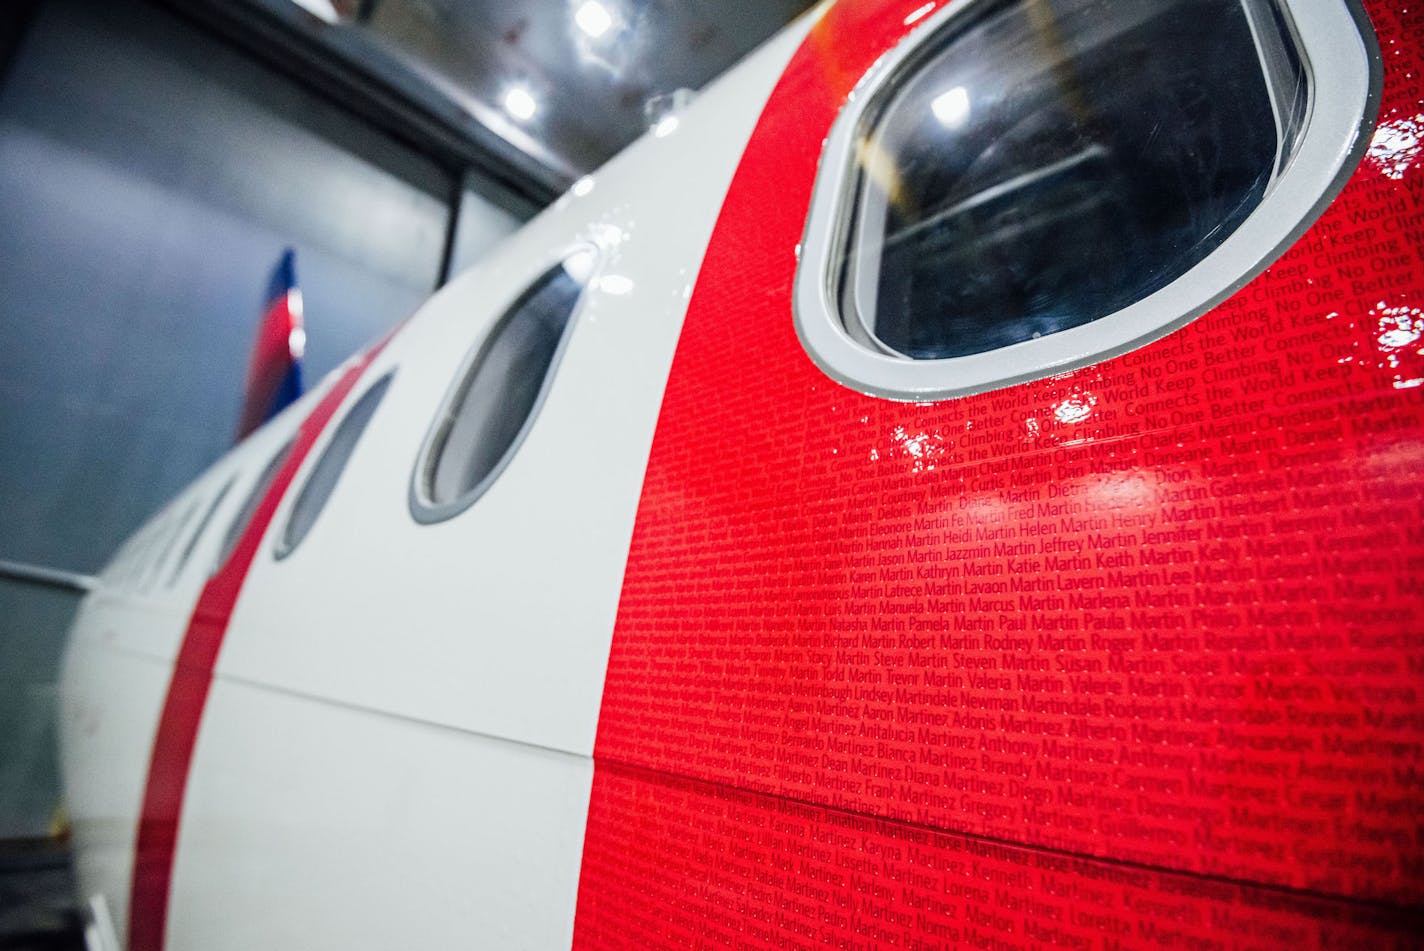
(483, 421)
(1022, 172)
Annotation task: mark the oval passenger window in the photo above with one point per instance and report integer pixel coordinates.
(324, 475)
(489, 412)
(192, 542)
(1026, 168)
(249, 505)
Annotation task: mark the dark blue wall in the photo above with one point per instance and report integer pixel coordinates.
(149, 178)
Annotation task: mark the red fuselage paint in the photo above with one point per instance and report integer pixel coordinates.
(983, 673)
(182, 714)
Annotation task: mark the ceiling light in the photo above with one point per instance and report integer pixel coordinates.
(593, 18)
(583, 186)
(520, 103)
(667, 125)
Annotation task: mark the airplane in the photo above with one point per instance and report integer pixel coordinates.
(957, 483)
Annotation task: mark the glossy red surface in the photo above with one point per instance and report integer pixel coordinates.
(177, 732)
(1152, 626)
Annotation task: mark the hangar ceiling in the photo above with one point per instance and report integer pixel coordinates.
(589, 67)
(550, 88)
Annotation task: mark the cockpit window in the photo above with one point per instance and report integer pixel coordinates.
(1052, 163)
(327, 471)
(1027, 167)
(499, 394)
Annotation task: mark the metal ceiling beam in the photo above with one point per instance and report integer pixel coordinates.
(346, 66)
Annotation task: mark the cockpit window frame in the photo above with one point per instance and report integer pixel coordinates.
(256, 491)
(1341, 56)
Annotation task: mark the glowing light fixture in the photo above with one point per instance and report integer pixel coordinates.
(951, 108)
(583, 186)
(667, 125)
(520, 103)
(593, 18)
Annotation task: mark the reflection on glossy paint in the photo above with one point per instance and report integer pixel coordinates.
(1075, 408)
(297, 342)
(1399, 329)
(580, 264)
(1065, 411)
(1395, 332)
(923, 449)
(606, 236)
(615, 284)
(919, 13)
(1398, 326)
(985, 509)
(1127, 490)
(296, 334)
(1395, 146)
(662, 112)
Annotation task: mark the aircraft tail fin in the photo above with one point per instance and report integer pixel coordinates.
(274, 373)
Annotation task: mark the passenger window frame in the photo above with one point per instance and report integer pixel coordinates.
(175, 529)
(210, 509)
(423, 508)
(241, 520)
(284, 545)
(1342, 59)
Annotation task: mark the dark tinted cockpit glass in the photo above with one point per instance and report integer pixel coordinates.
(1049, 162)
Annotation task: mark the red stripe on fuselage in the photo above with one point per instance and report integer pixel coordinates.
(830, 717)
(188, 691)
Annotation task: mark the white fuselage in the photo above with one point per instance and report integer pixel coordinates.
(438, 682)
